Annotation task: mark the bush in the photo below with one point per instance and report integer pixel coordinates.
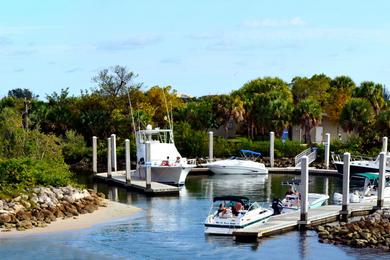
(74, 148)
(21, 174)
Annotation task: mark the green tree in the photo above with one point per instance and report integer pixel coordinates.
(315, 88)
(340, 92)
(357, 115)
(373, 93)
(383, 122)
(309, 114)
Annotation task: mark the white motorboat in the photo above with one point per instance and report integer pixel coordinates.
(231, 213)
(167, 165)
(364, 189)
(292, 200)
(238, 165)
(360, 164)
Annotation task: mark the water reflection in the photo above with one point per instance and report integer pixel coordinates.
(172, 227)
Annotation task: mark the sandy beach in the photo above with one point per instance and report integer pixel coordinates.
(112, 212)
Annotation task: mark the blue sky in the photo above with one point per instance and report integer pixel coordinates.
(197, 47)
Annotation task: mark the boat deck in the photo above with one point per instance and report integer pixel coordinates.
(287, 222)
(118, 178)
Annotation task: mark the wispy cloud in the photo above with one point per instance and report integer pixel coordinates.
(170, 61)
(268, 22)
(73, 70)
(134, 42)
(19, 70)
(5, 41)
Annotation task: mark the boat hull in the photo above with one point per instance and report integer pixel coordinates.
(174, 175)
(357, 168)
(237, 170)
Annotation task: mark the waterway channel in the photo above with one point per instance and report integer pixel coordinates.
(172, 227)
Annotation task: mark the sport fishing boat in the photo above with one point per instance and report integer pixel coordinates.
(231, 213)
(166, 163)
(360, 164)
(364, 188)
(292, 200)
(239, 165)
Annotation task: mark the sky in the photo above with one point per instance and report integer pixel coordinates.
(198, 47)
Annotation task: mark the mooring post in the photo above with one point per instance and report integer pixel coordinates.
(128, 175)
(271, 148)
(327, 150)
(148, 165)
(304, 189)
(113, 150)
(94, 154)
(382, 179)
(109, 169)
(211, 146)
(384, 144)
(346, 172)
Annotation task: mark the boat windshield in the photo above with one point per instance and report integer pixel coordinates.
(230, 204)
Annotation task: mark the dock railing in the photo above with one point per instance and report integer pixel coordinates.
(309, 152)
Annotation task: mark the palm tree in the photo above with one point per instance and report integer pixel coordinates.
(373, 93)
(308, 113)
(357, 115)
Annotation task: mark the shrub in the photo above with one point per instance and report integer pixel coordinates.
(74, 148)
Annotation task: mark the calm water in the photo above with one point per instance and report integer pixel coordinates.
(172, 228)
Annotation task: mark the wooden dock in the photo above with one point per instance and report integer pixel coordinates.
(297, 170)
(119, 178)
(288, 222)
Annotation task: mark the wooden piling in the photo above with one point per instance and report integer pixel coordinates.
(384, 144)
(382, 179)
(94, 154)
(109, 169)
(128, 175)
(113, 150)
(148, 165)
(327, 150)
(346, 173)
(271, 148)
(304, 189)
(211, 146)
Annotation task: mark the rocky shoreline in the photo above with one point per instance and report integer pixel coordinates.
(372, 231)
(45, 205)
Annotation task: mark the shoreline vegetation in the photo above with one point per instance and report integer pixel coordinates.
(39, 140)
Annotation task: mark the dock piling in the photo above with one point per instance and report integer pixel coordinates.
(109, 169)
(211, 146)
(304, 189)
(148, 165)
(346, 173)
(128, 175)
(271, 148)
(384, 144)
(327, 149)
(113, 150)
(94, 154)
(382, 179)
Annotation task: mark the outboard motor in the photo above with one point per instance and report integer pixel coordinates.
(277, 206)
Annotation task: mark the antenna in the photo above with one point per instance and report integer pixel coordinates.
(166, 106)
(131, 110)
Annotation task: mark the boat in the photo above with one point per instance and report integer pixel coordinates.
(167, 165)
(239, 165)
(364, 189)
(360, 164)
(224, 218)
(292, 200)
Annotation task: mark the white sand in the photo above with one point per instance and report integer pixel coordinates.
(112, 212)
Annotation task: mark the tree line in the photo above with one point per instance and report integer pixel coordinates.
(259, 106)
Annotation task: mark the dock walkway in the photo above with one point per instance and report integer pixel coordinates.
(119, 178)
(287, 222)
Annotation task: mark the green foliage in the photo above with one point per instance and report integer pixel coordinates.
(190, 143)
(357, 115)
(19, 175)
(74, 148)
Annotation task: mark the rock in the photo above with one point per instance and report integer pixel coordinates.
(101, 195)
(24, 224)
(4, 218)
(23, 215)
(320, 229)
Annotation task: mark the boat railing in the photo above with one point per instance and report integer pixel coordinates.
(339, 158)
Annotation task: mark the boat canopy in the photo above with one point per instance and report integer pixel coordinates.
(368, 175)
(250, 152)
(243, 200)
